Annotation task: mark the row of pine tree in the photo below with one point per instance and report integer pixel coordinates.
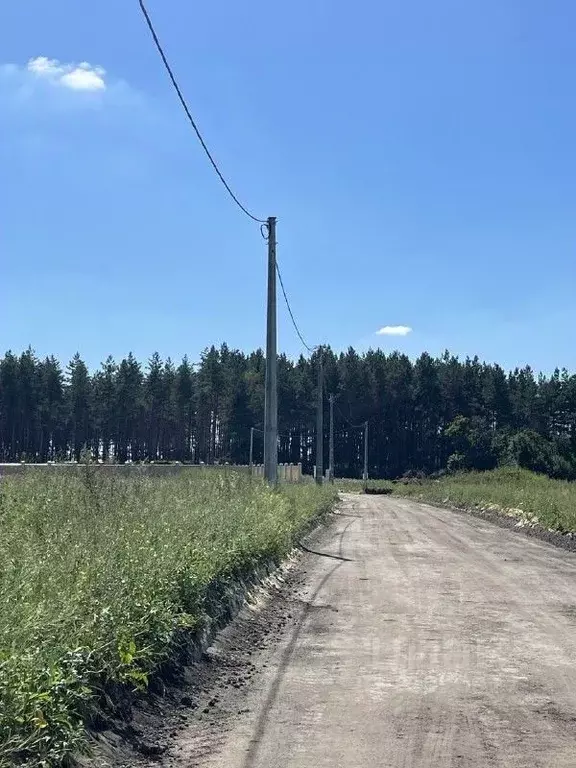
(427, 415)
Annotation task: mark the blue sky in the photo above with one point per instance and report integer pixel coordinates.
(420, 158)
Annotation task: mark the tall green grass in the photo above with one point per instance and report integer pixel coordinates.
(530, 497)
(99, 576)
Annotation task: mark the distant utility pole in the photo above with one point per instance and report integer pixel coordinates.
(320, 422)
(251, 462)
(331, 449)
(271, 388)
(365, 473)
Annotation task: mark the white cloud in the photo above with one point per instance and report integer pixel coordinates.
(394, 330)
(76, 77)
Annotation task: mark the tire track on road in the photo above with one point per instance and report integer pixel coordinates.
(424, 652)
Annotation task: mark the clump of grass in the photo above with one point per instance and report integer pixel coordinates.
(99, 576)
(351, 485)
(531, 497)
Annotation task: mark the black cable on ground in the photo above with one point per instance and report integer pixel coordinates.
(324, 554)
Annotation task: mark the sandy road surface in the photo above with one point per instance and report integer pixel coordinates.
(443, 641)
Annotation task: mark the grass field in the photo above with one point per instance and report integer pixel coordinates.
(99, 576)
(530, 497)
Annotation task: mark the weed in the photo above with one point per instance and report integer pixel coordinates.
(531, 497)
(98, 576)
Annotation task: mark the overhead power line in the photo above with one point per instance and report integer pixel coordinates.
(294, 323)
(189, 114)
(354, 426)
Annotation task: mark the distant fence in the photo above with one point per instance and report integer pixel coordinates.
(124, 470)
(287, 473)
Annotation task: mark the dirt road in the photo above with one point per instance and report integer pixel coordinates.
(441, 640)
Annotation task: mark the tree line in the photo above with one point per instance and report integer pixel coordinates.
(428, 415)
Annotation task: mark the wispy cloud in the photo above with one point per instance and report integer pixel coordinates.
(394, 330)
(76, 77)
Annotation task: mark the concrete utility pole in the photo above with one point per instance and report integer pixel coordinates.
(251, 462)
(271, 388)
(320, 422)
(365, 473)
(331, 449)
